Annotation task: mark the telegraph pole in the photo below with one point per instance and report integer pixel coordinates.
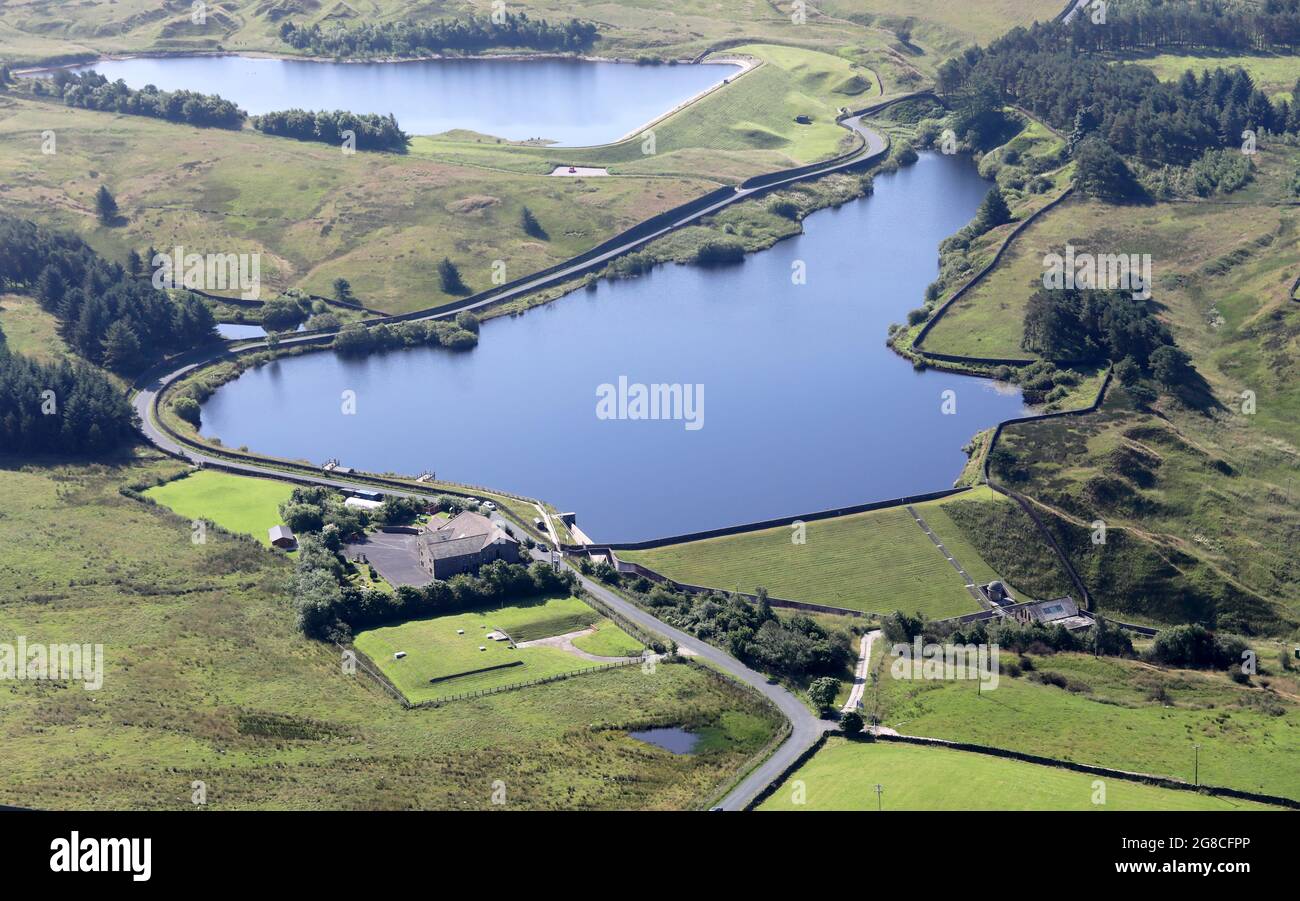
(879, 790)
(1196, 766)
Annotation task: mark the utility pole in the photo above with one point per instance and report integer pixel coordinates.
(879, 791)
(1196, 766)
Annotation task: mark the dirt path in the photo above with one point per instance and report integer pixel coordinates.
(565, 643)
(860, 674)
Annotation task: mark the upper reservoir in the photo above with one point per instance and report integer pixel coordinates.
(804, 407)
(572, 102)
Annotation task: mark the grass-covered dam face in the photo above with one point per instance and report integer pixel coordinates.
(571, 102)
(803, 407)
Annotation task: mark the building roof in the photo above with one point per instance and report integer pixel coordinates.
(279, 532)
(464, 534)
(1051, 611)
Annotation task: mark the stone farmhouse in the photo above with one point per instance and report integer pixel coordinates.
(463, 544)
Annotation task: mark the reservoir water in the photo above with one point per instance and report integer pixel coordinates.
(572, 102)
(804, 407)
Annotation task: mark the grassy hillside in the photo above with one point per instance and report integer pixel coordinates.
(1116, 713)
(743, 129)
(1198, 491)
(629, 28)
(207, 679)
(878, 561)
(843, 776)
(380, 220)
(1181, 238)
(942, 27)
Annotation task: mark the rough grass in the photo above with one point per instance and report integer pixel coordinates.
(1248, 736)
(207, 679)
(1274, 74)
(1207, 525)
(29, 330)
(843, 775)
(1180, 237)
(236, 503)
(630, 28)
(878, 561)
(380, 220)
(945, 26)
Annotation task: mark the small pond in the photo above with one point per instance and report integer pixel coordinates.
(670, 738)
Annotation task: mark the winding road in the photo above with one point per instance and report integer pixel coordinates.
(806, 728)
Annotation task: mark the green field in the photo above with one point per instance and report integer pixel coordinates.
(879, 561)
(843, 776)
(207, 678)
(236, 503)
(1275, 75)
(1110, 716)
(435, 650)
(608, 641)
(29, 330)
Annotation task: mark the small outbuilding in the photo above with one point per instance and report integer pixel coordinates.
(282, 537)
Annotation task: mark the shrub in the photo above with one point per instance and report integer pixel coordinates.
(719, 252)
(187, 408)
(786, 209)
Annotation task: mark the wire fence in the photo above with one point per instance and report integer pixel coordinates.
(515, 686)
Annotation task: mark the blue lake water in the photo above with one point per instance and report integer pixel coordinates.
(571, 102)
(805, 408)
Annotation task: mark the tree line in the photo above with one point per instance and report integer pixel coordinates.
(59, 408)
(1123, 106)
(90, 90)
(369, 130)
(330, 611)
(469, 35)
(1272, 26)
(747, 629)
(106, 314)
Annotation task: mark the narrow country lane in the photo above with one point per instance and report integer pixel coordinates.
(805, 728)
(860, 674)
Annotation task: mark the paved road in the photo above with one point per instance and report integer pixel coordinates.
(1075, 7)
